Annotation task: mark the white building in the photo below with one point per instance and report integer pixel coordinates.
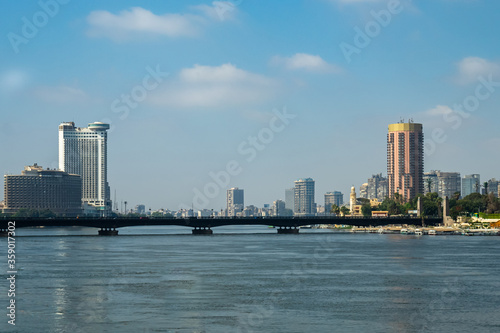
(304, 197)
(83, 151)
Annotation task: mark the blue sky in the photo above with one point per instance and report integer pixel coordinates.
(223, 71)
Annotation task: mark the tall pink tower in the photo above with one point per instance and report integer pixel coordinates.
(405, 160)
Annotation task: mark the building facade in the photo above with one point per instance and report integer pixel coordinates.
(83, 151)
(449, 183)
(333, 198)
(377, 187)
(405, 160)
(235, 201)
(493, 187)
(471, 184)
(38, 189)
(304, 197)
(431, 182)
(279, 208)
(290, 198)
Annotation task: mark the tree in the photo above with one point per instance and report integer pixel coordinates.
(485, 187)
(429, 183)
(366, 210)
(335, 209)
(344, 210)
(492, 204)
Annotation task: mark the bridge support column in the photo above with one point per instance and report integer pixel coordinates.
(108, 232)
(288, 230)
(202, 231)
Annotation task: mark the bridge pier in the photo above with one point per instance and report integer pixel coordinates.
(288, 230)
(4, 232)
(202, 231)
(108, 232)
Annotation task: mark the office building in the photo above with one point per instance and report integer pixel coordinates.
(431, 183)
(449, 183)
(405, 159)
(333, 198)
(304, 197)
(39, 189)
(493, 187)
(83, 151)
(363, 191)
(235, 201)
(279, 208)
(471, 184)
(140, 209)
(290, 198)
(377, 187)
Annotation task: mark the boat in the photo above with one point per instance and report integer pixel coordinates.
(431, 232)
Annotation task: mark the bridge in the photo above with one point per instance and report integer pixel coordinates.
(203, 226)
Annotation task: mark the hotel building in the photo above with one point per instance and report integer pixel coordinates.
(405, 160)
(40, 190)
(83, 151)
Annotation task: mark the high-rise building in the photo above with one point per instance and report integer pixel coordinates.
(83, 151)
(363, 191)
(493, 187)
(471, 184)
(290, 198)
(431, 182)
(449, 183)
(40, 189)
(304, 197)
(338, 198)
(329, 202)
(279, 208)
(333, 198)
(235, 201)
(377, 187)
(405, 159)
(140, 209)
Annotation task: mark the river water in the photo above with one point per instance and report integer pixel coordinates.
(250, 279)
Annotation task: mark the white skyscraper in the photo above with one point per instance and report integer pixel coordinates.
(83, 151)
(304, 197)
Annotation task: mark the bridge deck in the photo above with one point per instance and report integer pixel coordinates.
(216, 222)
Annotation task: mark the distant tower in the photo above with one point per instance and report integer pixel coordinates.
(304, 197)
(235, 201)
(405, 160)
(83, 151)
(352, 200)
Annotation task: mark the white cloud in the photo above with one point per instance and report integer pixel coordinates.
(214, 87)
(439, 110)
(220, 10)
(138, 22)
(471, 68)
(307, 62)
(60, 94)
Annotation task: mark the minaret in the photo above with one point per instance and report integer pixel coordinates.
(352, 201)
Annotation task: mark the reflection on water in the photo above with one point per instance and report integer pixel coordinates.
(253, 280)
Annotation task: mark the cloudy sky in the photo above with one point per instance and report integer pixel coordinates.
(203, 95)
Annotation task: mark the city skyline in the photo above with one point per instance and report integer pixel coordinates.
(244, 83)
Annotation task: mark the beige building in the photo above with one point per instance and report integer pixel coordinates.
(405, 160)
(40, 189)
